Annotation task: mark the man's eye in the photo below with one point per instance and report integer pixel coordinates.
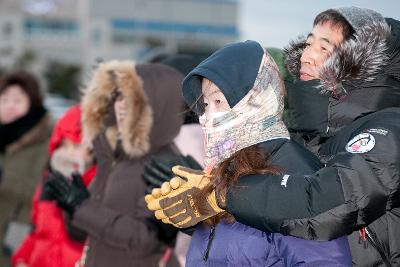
(326, 50)
(218, 101)
(307, 44)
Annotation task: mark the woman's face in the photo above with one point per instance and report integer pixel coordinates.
(75, 151)
(70, 157)
(214, 99)
(120, 109)
(14, 104)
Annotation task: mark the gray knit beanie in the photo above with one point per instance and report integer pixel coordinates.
(359, 17)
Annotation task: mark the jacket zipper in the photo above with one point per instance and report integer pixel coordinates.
(370, 237)
(210, 240)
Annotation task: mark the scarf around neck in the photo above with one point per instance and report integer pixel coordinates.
(11, 132)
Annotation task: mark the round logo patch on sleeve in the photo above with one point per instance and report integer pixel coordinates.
(361, 143)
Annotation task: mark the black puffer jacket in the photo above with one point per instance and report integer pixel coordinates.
(354, 129)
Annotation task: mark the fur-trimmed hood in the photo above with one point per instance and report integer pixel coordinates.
(154, 112)
(355, 61)
(366, 66)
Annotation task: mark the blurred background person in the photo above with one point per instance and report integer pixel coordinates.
(130, 114)
(24, 131)
(51, 243)
(189, 142)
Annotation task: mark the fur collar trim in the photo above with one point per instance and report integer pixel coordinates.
(97, 103)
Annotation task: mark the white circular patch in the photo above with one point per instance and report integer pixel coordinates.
(361, 143)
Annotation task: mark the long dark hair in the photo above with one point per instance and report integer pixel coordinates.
(247, 161)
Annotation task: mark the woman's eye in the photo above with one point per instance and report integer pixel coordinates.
(217, 101)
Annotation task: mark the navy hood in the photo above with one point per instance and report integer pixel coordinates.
(233, 68)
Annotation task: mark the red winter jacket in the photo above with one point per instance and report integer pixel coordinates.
(49, 244)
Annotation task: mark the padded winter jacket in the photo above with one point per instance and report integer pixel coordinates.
(353, 127)
(240, 245)
(119, 226)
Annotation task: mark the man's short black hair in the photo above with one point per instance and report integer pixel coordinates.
(337, 20)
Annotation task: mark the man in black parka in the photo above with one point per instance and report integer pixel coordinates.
(343, 106)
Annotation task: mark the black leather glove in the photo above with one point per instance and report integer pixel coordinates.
(47, 191)
(158, 171)
(68, 194)
(165, 232)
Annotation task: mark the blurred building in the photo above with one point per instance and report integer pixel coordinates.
(83, 31)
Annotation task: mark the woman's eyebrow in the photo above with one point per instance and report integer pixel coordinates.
(215, 92)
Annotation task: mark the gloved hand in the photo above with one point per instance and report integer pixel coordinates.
(158, 171)
(174, 203)
(68, 194)
(165, 232)
(47, 192)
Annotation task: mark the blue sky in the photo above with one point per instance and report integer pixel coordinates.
(275, 22)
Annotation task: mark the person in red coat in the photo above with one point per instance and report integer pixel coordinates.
(52, 242)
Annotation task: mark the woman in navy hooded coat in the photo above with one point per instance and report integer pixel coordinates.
(239, 94)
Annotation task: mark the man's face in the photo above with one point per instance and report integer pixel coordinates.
(321, 42)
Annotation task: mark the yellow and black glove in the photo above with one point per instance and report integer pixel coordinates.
(174, 202)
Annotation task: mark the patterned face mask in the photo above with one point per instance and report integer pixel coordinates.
(255, 119)
(205, 121)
